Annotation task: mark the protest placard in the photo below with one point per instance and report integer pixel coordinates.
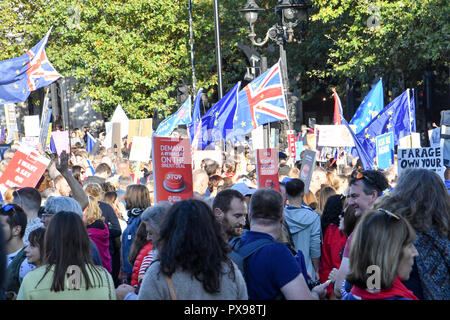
(425, 158)
(116, 142)
(258, 138)
(267, 168)
(24, 169)
(410, 142)
(31, 125)
(298, 150)
(334, 136)
(291, 142)
(140, 127)
(307, 168)
(172, 169)
(385, 150)
(199, 155)
(141, 149)
(61, 140)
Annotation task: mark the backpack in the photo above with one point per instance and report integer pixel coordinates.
(13, 280)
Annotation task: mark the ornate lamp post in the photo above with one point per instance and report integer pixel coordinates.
(291, 27)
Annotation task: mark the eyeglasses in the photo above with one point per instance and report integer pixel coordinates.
(359, 175)
(389, 213)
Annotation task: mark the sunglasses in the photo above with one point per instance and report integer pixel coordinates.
(390, 214)
(368, 179)
(7, 209)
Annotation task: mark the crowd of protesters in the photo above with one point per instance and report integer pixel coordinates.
(353, 234)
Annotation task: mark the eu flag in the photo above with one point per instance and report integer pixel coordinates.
(369, 108)
(366, 160)
(90, 142)
(31, 71)
(217, 123)
(196, 124)
(398, 117)
(182, 116)
(261, 101)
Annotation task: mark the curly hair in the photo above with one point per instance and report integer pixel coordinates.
(191, 240)
(421, 197)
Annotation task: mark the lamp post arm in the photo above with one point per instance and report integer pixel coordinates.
(270, 34)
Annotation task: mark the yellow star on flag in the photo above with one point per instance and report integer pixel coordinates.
(262, 96)
(216, 122)
(388, 126)
(17, 71)
(217, 113)
(243, 124)
(257, 116)
(390, 113)
(16, 86)
(235, 118)
(372, 140)
(367, 136)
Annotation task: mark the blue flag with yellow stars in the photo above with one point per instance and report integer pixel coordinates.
(369, 108)
(29, 72)
(217, 123)
(398, 117)
(182, 116)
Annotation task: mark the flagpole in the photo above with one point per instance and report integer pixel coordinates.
(191, 35)
(409, 112)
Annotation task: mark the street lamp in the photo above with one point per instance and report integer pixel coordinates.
(292, 17)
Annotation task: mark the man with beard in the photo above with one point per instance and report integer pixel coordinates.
(230, 209)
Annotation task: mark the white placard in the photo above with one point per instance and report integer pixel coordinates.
(32, 126)
(334, 136)
(421, 158)
(141, 149)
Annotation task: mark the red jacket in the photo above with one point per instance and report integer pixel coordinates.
(333, 242)
(138, 262)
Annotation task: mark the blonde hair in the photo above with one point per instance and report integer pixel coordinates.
(92, 212)
(378, 240)
(8, 196)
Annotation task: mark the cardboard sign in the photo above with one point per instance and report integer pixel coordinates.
(24, 170)
(267, 168)
(116, 141)
(199, 155)
(31, 125)
(385, 150)
(291, 142)
(334, 136)
(172, 169)
(258, 138)
(140, 127)
(61, 140)
(298, 150)
(425, 158)
(408, 142)
(307, 168)
(141, 149)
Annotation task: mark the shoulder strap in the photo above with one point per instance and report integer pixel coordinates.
(250, 248)
(171, 288)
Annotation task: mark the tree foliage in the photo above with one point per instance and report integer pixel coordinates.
(136, 52)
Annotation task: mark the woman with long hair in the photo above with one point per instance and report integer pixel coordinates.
(137, 199)
(421, 197)
(68, 272)
(98, 231)
(381, 257)
(324, 193)
(333, 239)
(193, 260)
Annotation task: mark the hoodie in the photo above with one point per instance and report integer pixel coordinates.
(304, 226)
(99, 234)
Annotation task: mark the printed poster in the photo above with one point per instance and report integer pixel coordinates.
(267, 168)
(172, 169)
(24, 170)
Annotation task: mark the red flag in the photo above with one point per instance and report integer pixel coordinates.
(337, 109)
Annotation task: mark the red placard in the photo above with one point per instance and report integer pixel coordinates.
(172, 169)
(24, 170)
(291, 142)
(267, 168)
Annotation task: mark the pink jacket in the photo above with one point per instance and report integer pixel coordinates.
(101, 240)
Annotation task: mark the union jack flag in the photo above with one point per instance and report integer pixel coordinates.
(31, 71)
(261, 101)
